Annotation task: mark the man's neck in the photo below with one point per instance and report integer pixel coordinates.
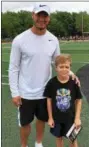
(62, 79)
(38, 31)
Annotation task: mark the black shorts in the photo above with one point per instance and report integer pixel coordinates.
(31, 108)
(60, 129)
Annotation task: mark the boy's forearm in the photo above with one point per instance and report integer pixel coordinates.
(78, 106)
(49, 107)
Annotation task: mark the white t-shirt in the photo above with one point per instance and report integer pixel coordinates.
(30, 63)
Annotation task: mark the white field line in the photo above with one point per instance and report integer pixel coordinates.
(4, 76)
(72, 62)
(5, 84)
(61, 50)
(7, 70)
(6, 42)
(6, 47)
(5, 53)
(66, 50)
(61, 44)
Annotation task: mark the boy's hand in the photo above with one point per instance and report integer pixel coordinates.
(51, 122)
(77, 123)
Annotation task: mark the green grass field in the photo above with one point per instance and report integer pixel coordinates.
(10, 130)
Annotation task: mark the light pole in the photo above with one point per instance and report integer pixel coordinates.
(82, 25)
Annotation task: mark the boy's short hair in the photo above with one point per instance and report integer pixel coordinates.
(61, 59)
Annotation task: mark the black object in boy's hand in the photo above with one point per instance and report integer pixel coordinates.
(73, 133)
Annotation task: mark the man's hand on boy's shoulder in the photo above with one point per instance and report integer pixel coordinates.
(74, 77)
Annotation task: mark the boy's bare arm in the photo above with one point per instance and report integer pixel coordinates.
(50, 117)
(49, 108)
(78, 106)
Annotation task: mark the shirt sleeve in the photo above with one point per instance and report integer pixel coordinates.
(57, 51)
(14, 67)
(78, 92)
(48, 92)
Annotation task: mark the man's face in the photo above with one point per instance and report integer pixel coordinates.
(63, 69)
(41, 20)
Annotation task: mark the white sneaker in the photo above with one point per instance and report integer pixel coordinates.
(38, 144)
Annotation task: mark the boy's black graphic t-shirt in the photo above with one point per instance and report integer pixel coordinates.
(63, 97)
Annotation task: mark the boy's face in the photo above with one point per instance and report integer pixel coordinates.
(63, 69)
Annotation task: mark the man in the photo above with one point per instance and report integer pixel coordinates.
(30, 69)
(32, 53)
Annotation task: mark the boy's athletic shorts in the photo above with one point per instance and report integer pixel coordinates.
(31, 108)
(60, 129)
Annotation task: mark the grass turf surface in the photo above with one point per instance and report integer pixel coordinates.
(10, 131)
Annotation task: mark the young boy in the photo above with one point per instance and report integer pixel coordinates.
(63, 101)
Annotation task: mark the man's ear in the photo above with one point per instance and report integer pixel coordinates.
(32, 15)
(49, 19)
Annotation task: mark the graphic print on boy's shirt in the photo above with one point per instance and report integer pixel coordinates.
(63, 99)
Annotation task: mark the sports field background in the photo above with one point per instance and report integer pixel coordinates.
(10, 130)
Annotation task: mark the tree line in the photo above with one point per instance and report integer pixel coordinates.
(62, 24)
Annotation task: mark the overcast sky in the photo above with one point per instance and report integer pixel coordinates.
(60, 6)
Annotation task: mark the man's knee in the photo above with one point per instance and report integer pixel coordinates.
(25, 128)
